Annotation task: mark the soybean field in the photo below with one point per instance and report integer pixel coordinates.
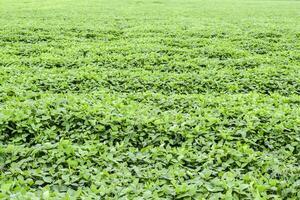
(150, 99)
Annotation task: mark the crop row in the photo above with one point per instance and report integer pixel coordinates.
(253, 120)
(263, 80)
(119, 171)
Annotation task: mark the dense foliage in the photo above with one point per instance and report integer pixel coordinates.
(149, 99)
